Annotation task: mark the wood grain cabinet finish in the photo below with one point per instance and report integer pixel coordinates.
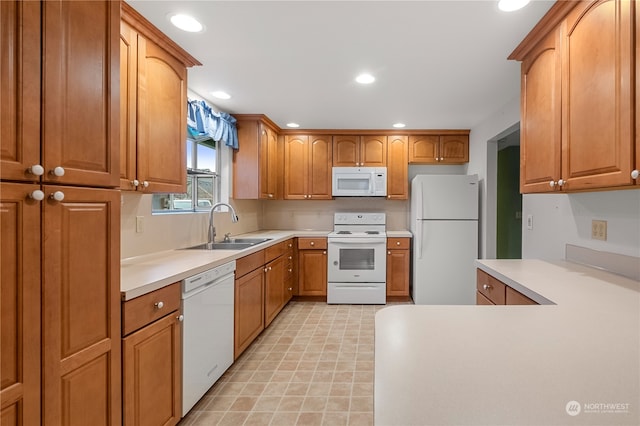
(360, 151)
(20, 304)
(153, 114)
(572, 141)
(307, 167)
(278, 279)
(398, 258)
(152, 358)
(514, 297)
(249, 309)
(540, 125)
(312, 266)
(491, 291)
(439, 149)
(397, 168)
(81, 307)
(255, 163)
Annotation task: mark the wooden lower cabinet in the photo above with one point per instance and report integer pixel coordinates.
(312, 267)
(275, 272)
(398, 257)
(152, 360)
(249, 309)
(491, 291)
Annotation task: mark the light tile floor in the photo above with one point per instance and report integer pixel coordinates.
(312, 366)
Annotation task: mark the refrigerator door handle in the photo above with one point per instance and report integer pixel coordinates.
(419, 237)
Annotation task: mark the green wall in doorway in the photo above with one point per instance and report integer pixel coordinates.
(509, 208)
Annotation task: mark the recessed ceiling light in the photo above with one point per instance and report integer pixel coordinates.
(221, 95)
(511, 5)
(293, 125)
(186, 23)
(399, 125)
(365, 78)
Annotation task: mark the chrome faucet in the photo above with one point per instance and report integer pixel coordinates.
(212, 229)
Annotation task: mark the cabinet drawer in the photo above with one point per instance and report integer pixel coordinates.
(248, 263)
(514, 297)
(491, 288)
(481, 300)
(312, 243)
(398, 243)
(138, 312)
(274, 251)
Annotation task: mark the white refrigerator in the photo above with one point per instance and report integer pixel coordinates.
(444, 223)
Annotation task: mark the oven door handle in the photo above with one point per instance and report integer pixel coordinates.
(359, 241)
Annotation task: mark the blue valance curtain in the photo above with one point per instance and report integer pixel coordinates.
(204, 121)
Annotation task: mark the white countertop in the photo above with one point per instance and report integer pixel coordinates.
(515, 365)
(142, 274)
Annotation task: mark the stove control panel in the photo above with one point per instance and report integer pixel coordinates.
(354, 218)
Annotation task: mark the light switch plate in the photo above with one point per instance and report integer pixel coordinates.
(139, 224)
(529, 221)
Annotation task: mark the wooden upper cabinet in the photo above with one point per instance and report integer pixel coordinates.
(307, 167)
(397, 168)
(359, 151)
(540, 130)
(20, 303)
(153, 107)
(636, 172)
(439, 149)
(81, 307)
(597, 102)
(80, 87)
(255, 163)
(19, 90)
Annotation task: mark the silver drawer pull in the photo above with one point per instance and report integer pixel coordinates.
(486, 287)
(159, 305)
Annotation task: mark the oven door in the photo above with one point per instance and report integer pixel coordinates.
(357, 260)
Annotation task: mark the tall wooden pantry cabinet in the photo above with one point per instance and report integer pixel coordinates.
(59, 213)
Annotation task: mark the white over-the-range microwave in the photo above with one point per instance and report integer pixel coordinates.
(359, 181)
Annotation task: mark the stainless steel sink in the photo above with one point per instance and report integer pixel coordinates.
(233, 244)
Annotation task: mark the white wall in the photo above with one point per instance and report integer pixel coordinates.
(560, 219)
(483, 162)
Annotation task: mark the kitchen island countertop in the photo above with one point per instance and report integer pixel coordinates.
(573, 360)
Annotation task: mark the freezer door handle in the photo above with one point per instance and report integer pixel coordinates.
(419, 237)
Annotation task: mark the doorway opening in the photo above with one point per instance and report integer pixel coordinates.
(508, 198)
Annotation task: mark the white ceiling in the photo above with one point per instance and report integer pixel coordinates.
(438, 64)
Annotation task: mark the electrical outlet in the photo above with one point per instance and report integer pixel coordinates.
(529, 221)
(599, 230)
(139, 224)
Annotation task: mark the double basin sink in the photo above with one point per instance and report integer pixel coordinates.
(232, 244)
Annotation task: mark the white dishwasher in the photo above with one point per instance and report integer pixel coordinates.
(207, 334)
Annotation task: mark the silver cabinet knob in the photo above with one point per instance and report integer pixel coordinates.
(58, 196)
(290, 288)
(36, 170)
(635, 174)
(159, 305)
(388, 252)
(486, 287)
(145, 184)
(57, 171)
(265, 270)
(552, 183)
(309, 196)
(180, 318)
(269, 268)
(290, 270)
(312, 243)
(560, 182)
(37, 195)
(270, 195)
(135, 182)
(324, 252)
(397, 243)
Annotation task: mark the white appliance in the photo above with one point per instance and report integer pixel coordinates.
(207, 333)
(357, 264)
(359, 181)
(444, 223)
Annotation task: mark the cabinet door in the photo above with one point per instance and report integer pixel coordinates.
(346, 151)
(19, 89)
(80, 88)
(397, 168)
(19, 304)
(152, 373)
(454, 149)
(275, 273)
(249, 310)
(81, 307)
(268, 162)
(296, 167)
(162, 119)
(423, 149)
(514, 297)
(312, 274)
(540, 143)
(373, 151)
(398, 273)
(128, 108)
(597, 89)
(319, 169)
